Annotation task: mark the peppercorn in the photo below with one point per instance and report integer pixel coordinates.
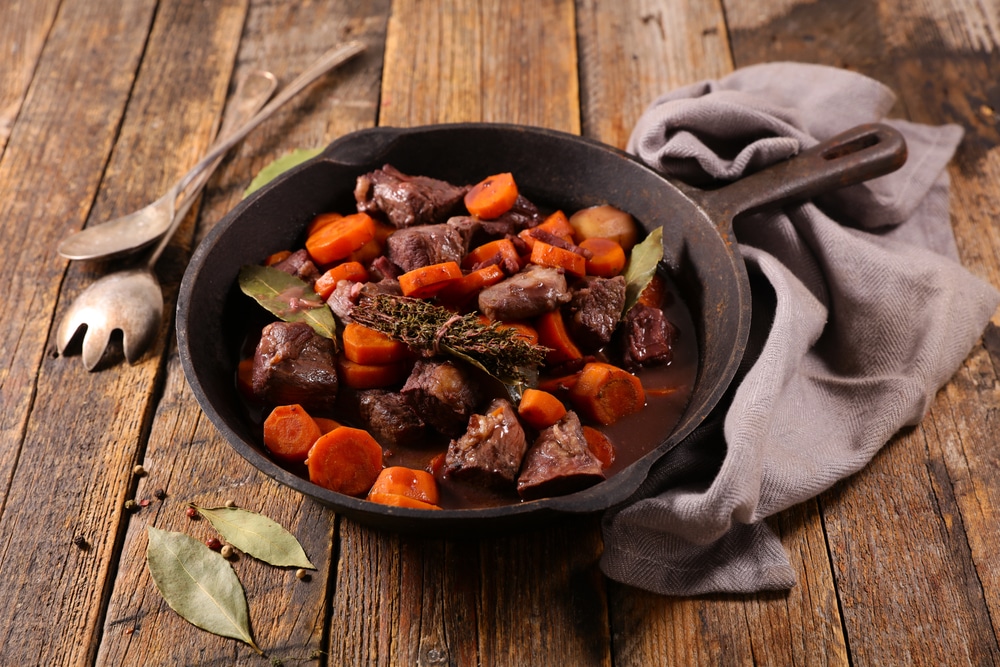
(139, 471)
(302, 574)
(81, 542)
(227, 551)
(192, 513)
(213, 543)
(230, 503)
(160, 494)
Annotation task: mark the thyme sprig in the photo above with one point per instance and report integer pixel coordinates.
(432, 329)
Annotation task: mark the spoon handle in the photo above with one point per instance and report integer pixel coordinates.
(251, 93)
(326, 62)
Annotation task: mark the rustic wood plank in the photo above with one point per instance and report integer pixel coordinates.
(912, 536)
(23, 33)
(85, 77)
(185, 456)
(474, 602)
(631, 53)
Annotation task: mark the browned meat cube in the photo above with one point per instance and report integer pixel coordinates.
(648, 337)
(407, 200)
(389, 417)
(594, 311)
(294, 364)
(535, 290)
(414, 247)
(559, 462)
(490, 451)
(443, 393)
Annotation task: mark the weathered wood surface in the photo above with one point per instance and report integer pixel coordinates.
(103, 104)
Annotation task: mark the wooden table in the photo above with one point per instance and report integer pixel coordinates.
(104, 103)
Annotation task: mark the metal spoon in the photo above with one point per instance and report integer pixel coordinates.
(130, 299)
(139, 229)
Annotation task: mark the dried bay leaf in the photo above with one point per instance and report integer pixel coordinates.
(287, 297)
(257, 535)
(279, 166)
(199, 585)
(642, 265)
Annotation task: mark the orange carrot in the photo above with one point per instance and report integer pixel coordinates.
(279, 256)
(321, 221)
(346, 460)
(540, 409)
(462, 290)
(553, 335)
(396, 500)
(401, 481)
(655, 292)
(244, 377)
(544, 254)
(607, 257)
(375, 247)
(427, 281)
(606, 393)
(289, 432)
(368, 346)
(487, 251)
(370, 376)
(325, 424)
(599, 445)
(524, 331)
(492, 197)
(559, 385)
(340, 238)
(557, 223)
(327, 282)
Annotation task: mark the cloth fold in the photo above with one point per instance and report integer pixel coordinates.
(861, 312)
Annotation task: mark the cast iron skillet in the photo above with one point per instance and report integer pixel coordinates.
(553, 168)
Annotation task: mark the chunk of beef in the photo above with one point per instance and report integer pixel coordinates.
(594, 311)
(443, 393)
(347, 293)
(294, 364)
(559, 462)
(522, 215)
(489, 453)
(530, 293)
(648, 337)
(300, 265)
(406, 200)
(383, 268)
(414, 247)
(390, 418)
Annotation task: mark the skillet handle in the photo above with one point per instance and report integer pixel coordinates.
(857, 155)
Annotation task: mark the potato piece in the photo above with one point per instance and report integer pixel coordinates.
(605, 222)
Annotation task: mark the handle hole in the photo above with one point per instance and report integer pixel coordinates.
(853, 146)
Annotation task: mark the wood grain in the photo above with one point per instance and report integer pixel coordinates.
(185, 455)
(908, 535)
(23, 33)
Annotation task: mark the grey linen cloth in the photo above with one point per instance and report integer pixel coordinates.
(861, 312)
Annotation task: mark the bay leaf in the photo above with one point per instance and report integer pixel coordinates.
(287, 297)
(257, 535)
(199, 584)
(279, 166)
(641, 267)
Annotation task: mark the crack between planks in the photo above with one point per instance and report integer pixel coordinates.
(836, 586)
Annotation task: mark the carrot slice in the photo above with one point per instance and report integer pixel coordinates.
(346, 460)
(544, 254)
(401, 481)
(599, 445)
(395, 500)
(427, 281)
(540, 409)
(524, 331)
(289, 432)
(325, 424)
(559, 385)
(279, 256)
(607, 257)
(487, 251)
(557, 223)
(321, 221)
(340, 238)
(492, 197)
(363, 345)
(461, 290)
(244, 377)
(327, 282)
(655, 292)
(606, 393)
(553, 335)
(371, 376)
